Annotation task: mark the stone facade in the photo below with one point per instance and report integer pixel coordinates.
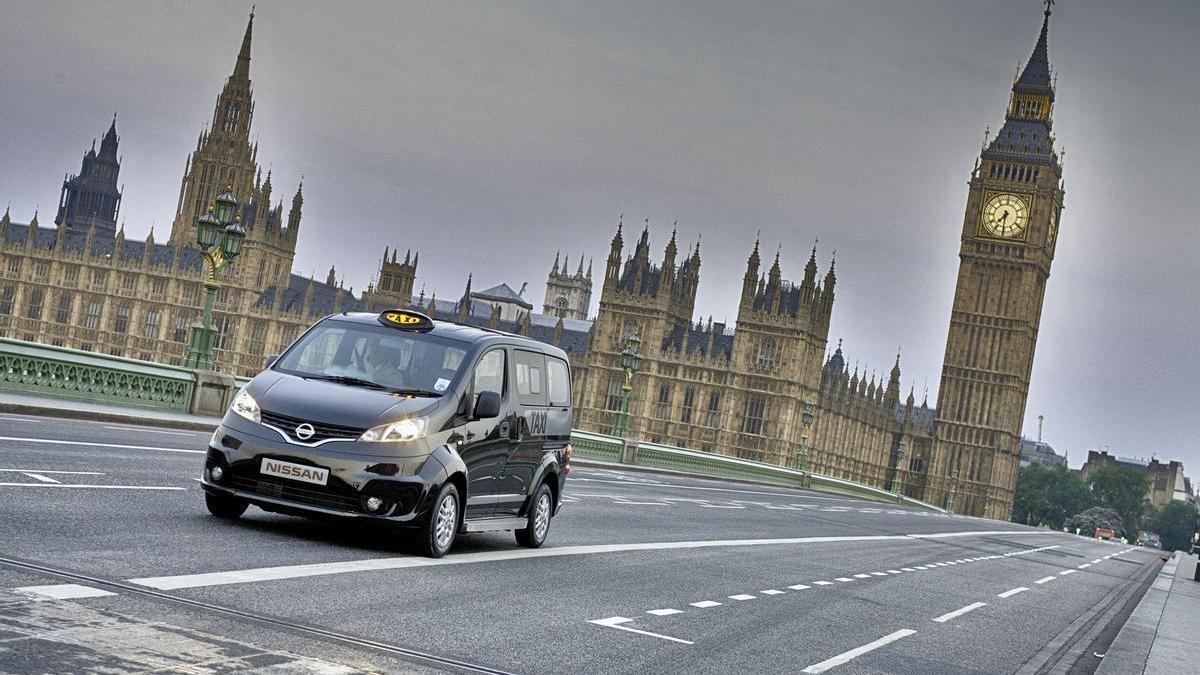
(1167, 481)
(568, 295)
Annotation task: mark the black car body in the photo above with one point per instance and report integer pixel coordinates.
(380, 416)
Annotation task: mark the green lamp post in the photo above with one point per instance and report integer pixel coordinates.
(806, 420)
(219, 235)
(631, 359)
(953, 491)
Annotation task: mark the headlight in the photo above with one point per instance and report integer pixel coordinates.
(396, 432)
(245, 405)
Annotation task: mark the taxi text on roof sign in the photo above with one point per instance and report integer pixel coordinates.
(406, 320)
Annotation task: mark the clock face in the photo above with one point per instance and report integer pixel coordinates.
(1005, 215)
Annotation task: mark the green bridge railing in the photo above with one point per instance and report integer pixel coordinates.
(654, 455)
(59, 372)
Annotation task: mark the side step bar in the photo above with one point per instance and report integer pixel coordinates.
(496, 524)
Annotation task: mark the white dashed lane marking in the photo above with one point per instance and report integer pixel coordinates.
(959, 612)
(742, 596)
(63, 591)
(703, 604)
(665, 612)
(846, 657)
(1010, 593)
(1045, 580)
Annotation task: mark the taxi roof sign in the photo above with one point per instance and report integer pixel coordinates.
(406, 319)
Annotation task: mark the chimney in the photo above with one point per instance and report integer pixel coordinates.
(1041, 418)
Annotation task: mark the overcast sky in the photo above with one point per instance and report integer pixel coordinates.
(489, 135)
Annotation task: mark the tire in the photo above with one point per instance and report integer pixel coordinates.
(438, 534)
(537, 529)
(226, 508)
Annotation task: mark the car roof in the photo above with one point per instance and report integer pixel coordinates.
(461, 332)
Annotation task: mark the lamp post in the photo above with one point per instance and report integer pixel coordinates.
(892, 486)
(219, 236)
(806, 420)
(953, 491)
(630, 360)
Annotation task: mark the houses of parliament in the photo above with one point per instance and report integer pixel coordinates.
(740, 390)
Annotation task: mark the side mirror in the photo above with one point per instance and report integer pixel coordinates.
(270, 361)
(487, 405)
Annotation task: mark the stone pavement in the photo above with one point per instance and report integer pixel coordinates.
(1161, 634)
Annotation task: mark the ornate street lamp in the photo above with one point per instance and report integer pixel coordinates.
(806, 420)
(219, 235)
(631, 359)
(892, 485)
(953, 491)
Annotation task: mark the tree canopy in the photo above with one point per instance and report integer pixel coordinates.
(1122, 489)
(1175, 523)
(1049, 496)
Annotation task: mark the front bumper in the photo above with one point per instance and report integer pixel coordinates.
(404, 484)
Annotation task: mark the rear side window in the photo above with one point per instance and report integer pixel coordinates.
(560, 381)
(531, 377)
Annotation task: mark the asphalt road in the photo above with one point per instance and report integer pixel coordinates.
(642, 573)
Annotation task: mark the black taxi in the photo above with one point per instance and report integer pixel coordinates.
(433, 426)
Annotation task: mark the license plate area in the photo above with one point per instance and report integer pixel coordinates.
(291, 471)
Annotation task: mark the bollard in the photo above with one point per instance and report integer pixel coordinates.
(1196, 572)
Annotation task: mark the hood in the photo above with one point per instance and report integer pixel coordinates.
(333, 403)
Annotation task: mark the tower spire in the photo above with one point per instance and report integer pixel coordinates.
(241, 70)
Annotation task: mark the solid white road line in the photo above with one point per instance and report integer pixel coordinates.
(1009, 594)
(160, 431)
(99, 445)
(846, 657)
(321, 569)
(70, 473)
(960, 611)
(665, 612)
(20, 419)
(704, 604)
(1045, 580)
(64, 591)
(92, 487)
(616, 621)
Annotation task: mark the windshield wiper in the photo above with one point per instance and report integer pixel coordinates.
(415, 392)
(345, 379)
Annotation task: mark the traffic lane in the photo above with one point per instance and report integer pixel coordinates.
(54, 624)
(523, 612)
(96, 431)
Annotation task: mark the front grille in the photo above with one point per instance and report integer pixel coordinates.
(336, 495)
(321, 430)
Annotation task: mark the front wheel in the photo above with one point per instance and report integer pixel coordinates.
(538, 527)
(227, 508)
(438, 534)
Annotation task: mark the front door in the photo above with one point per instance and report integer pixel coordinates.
(529, 432)
(486, 442)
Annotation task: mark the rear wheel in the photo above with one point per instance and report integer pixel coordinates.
(538, 526)
(438, 534)
(228, 508)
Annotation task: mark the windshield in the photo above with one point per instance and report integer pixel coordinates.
(375, 357)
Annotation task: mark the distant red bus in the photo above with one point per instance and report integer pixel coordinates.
(1105, 533)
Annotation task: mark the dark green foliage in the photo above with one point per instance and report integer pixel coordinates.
(1048, 496)
(1175, 524)
(1122, 489)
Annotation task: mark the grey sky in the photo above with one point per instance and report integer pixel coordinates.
(488, 135)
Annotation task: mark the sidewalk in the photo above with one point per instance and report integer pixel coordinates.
(1160, 635)
(28, 404)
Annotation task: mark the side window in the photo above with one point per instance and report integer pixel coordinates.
(560, 382)
(489, 373)
(531, 377)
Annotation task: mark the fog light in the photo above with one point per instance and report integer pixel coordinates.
(217, 473)
(374, 503)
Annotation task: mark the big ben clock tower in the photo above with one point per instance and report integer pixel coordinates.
(1008, 238)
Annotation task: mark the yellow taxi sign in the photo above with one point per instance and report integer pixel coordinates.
(406, 319)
